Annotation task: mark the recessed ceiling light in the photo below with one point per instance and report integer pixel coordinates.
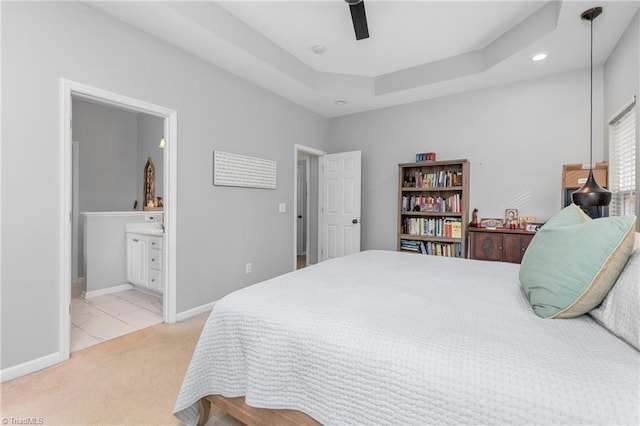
(539, 57)
(319, 49)
(340, 102)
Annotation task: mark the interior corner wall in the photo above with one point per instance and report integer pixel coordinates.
(219, 229)
(621, 83)
(516, 137)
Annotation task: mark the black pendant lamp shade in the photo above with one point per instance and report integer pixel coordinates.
(591, 194)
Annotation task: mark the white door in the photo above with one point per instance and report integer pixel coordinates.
(300, 199)
(341, 204)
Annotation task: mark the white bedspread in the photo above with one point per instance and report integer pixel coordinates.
(402, 339)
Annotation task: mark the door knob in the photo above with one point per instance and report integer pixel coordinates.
(354, 221)
(299, 216)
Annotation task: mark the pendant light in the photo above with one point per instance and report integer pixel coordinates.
(591, 194)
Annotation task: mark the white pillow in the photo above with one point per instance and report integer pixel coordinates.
(619, 312)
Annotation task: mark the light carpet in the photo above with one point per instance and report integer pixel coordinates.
(130, 380)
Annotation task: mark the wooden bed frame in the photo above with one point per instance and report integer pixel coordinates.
(252, 416)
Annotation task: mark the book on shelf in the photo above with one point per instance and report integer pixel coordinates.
(456, 229)
(432, 248)
(448, 227)
(424, 203)
(438, 179)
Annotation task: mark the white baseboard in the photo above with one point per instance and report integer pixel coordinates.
(108, 290)
(195, 311)
(54, 358)
(29, 367)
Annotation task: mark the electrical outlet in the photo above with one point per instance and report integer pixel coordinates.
(247, 268)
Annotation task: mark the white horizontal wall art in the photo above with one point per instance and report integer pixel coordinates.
(241, 170)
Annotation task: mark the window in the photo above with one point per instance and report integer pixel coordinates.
(622, 161)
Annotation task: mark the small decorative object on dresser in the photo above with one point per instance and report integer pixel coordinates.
(490, 223)
(503, 245)
(511, 218)
(474, 219)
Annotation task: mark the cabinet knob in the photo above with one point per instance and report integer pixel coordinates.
(522, 249)
(500, 248)
(153, 260)
(153, 279)
(136, 240)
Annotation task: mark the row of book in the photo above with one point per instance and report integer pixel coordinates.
(431, 248)
(439, 179)
(436, 227)
(423, 203)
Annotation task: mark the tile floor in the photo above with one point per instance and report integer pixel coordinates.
(106, 317)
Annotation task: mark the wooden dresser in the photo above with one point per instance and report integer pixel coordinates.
(503, 245)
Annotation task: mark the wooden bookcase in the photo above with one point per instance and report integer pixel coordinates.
(439, 224)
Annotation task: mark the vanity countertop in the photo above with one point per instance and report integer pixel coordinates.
(145, 228)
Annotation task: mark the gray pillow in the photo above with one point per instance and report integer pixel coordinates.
(620, 310)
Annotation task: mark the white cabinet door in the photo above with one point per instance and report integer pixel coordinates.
(137, 259)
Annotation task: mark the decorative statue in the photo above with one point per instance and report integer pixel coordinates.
(149, 177)
(474, 219)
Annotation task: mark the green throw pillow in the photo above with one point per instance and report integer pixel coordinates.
(571, 264)
(570, 215)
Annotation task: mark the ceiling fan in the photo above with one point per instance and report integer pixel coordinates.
(359, 18)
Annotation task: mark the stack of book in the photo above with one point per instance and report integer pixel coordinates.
(447, 227)
(432, 248)
(410, 245)
(439, 179)
(451, 204)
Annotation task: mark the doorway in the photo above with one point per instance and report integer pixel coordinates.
(306, 201)
(71, 91)
(110, 148)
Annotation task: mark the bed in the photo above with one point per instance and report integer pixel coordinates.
(384, 337)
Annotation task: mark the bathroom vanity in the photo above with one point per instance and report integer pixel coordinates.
(144, 256)
(110, 255)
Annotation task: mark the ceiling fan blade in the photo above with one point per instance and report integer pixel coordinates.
(359, 18)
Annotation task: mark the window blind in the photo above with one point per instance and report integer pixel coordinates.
(622, 161)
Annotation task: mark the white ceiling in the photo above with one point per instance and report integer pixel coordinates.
(417, 49)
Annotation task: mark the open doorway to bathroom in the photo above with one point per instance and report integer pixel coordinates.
(118, 159)
(117, 216)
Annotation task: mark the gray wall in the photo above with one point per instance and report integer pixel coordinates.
(107, 139)
(517, 137)
(621, 82)
(219, 229)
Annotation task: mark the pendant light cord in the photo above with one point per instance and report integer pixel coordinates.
(591, 103)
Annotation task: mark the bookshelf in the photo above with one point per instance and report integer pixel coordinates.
(433, 207)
